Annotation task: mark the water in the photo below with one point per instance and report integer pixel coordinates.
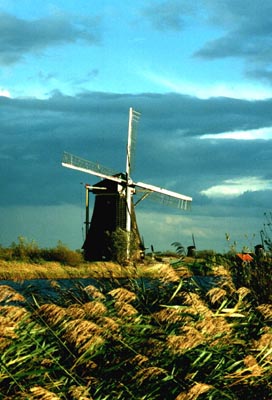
(52, 290)
(48, 290)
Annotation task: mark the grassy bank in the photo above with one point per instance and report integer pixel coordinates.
(21, 270)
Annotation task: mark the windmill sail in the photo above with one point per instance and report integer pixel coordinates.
(134, 117)
(132, 123)
(166, 197)
(89, 167)
(113, 206)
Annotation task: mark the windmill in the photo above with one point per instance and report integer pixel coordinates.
(114, 207)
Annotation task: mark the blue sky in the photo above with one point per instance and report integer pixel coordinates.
(200, 74)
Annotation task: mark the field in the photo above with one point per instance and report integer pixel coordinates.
(148, 331)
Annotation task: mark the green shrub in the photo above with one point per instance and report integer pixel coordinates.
(30, 252)
(25, 250)
(205, 253)
(118, 245)
(62, 254)
(5, 253)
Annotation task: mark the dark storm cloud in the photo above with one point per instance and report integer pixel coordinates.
(247, 35)
(257, 199)
(91, 75)
(248, 205)
(19, 37)
(245, 30)
(169, 151)
(168, 15)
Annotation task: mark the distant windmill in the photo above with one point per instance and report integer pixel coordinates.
(113, 207)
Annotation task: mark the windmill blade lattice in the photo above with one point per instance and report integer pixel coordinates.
(165, 200)
(164, 196)
(133, 125)
(89, 167)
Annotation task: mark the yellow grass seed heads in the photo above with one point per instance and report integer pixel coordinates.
(243, 292)
(8, 294)
(212, 326)
(79, 327)
(95, 342)
(39, 393)
(6, 332)
(139, 360)
(75, 311)
(52, 314)
(251, 369)
(10, 317)
(150, 373)
(168, 274)
(155, 347)
(220, 270)
(196, 304)
(169, 315)
(14, 313)
(109, 324)
(125, 309)
(183, 272)
(123, 295)
(266, 311)
(216, 295)
(252, 365)
(82, 333)
(93, 292)
(194, 392)
(94, 309)
(228, 285)
(264, 342)
(188, 339)
(79, 393)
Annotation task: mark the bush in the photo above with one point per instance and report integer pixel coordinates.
(206, 254)
(5, 253)
(30, 252)
(62, 254)
(118, 245)
(25, 250)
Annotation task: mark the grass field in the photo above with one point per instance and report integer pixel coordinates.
(126, 339)
(21, 270)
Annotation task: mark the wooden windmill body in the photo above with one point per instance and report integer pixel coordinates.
(109, 214)
(113, 206)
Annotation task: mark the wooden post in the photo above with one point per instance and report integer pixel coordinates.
(87, 213)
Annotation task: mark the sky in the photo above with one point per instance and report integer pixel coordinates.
(200, 74)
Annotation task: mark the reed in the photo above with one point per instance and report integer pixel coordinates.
(194, 392)
(128, 340)
(8, 295)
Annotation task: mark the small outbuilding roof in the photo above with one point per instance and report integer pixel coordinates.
(245, 257)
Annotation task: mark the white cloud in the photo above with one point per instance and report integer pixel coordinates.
(202, 90)
(161, 228)
(4, 93)
(251, 134)
(236, 187)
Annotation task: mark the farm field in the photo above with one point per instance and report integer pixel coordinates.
(141, 332)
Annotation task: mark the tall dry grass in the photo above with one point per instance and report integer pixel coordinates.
(137, 339)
